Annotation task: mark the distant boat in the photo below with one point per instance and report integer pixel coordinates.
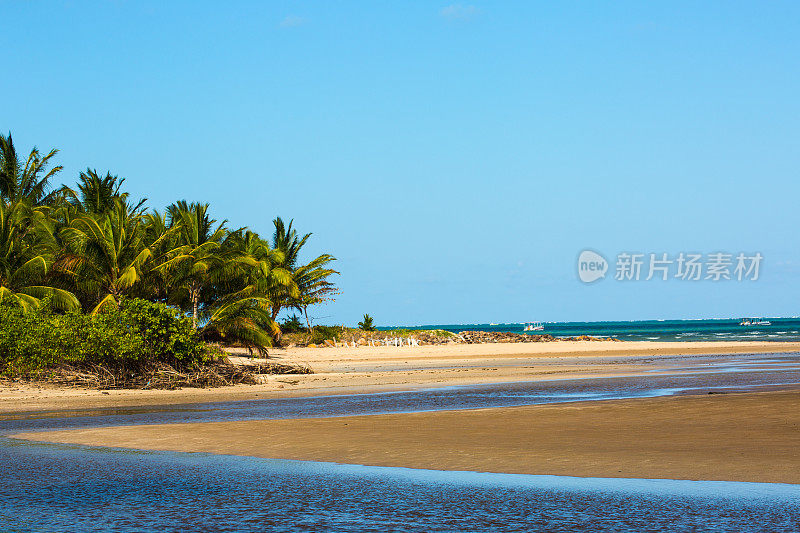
(493, 324)
(755, 322)
(534, 326)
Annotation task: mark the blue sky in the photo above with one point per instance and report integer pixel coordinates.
(456, 158)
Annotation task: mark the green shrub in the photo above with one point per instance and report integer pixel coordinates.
(166, 334)
(321, 334)
(292, 325)
(137, 335)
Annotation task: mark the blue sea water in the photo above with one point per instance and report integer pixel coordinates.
(60, 488)
(780, 329)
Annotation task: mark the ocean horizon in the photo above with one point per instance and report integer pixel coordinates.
(706, 329)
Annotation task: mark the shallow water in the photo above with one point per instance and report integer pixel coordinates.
(688, 375)
(59, 488)
(74, 488)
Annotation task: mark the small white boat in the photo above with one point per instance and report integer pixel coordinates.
(534, 326)
(755, 322)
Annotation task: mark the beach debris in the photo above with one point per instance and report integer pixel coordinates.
(163, 376)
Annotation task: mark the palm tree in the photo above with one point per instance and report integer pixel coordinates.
(286, 239)
(310, 279)
(366, 323)
(161, 240)
(241, 319)
(242, 310)
(97, 194)
(25, 258)
(29, 180)
(106, 254)
(196, 261)
(313, 285)
(266, 269)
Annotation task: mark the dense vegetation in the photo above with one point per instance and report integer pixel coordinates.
(70, 257)
(132, 338)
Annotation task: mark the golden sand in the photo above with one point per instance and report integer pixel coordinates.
(374, 369)
(735, 437)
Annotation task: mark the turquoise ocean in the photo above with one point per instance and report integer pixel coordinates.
(722, 329)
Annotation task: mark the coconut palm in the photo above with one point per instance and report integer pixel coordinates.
(242, 310)
(197, 260)
(310, 279)
(265, 270)
(28, 180)
(106, 254)
(244, 320)
(97, 194)
(160, 239)
(26, 256)
(93, 241)
(366, 323)
(313, 285)
(287, 241)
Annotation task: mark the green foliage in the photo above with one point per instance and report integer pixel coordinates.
(90, 248)
(25, 180)
(166, 334)
(407, 332)
(105, 254)
(197, 259)
(320, 334)
(96, 194)
(242, 321)
(366, 324)
(292, 325)
(307, 284)
(136, 335)
(26, 255)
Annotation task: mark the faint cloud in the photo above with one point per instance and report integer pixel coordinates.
(292, 21)
(458, 12)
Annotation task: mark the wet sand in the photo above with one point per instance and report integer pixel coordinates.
(733, 437)
(376, 369)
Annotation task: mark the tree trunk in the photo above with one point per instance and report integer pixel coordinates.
(195, 295)
(308, 323)
(276, 338)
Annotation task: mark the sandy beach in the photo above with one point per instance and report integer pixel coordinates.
(375, 369)
(733, 437)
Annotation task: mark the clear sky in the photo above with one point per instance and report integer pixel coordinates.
(456, 158)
